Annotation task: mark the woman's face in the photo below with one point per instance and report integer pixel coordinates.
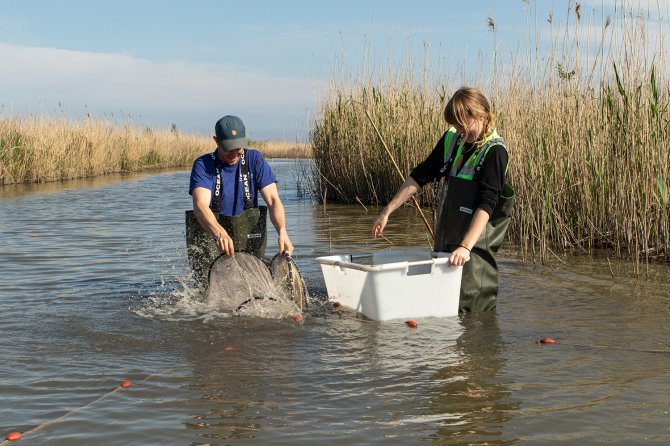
(474, 128)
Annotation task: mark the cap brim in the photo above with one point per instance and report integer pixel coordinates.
(232, 144)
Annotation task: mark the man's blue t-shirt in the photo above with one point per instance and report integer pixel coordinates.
(204, 172)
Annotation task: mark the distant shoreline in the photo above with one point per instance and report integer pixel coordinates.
(40, 150)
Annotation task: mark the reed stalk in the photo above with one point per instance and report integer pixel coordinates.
(41, 149)
(586, 119)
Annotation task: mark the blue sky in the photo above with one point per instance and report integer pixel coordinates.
(190, 62)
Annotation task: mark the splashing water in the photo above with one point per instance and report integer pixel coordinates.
(244, 285)
(182, 302)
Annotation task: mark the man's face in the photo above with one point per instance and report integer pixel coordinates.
(230, 157)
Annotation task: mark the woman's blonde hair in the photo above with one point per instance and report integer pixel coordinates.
(469, 102)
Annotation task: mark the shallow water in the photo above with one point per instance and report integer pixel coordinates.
(94, 290)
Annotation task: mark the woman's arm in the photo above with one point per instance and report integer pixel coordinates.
(408, 188)
(491, 180)
(461, 254)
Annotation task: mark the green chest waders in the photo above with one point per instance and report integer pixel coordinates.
(479, 283)
(247, 229)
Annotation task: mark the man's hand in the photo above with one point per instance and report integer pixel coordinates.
(224, 242)
(206, 218)
(285, 244)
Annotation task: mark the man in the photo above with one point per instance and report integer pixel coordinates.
(224, 186)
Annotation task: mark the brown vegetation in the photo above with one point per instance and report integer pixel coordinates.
(35, 150)
(587, 126)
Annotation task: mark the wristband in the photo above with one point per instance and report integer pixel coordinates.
(465, 247)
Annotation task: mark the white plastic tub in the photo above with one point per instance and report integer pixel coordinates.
(393, 284)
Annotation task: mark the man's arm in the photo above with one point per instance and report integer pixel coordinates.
(277, 216)
(201, 199)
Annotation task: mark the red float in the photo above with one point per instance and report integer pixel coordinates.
(126, 384)
(13, 436)
(411, 324)
(547, 341)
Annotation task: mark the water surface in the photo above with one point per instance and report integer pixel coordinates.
(94, 290)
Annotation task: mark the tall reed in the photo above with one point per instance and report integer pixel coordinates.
(350, 162)
(587, 122)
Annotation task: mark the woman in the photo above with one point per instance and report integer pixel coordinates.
(475, 205)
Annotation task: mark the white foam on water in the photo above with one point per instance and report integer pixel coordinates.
(183, 302)
(186, 302)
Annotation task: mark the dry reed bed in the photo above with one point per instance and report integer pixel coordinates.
(35, 150)
(590, 161)
(51, 149)
(283, 149)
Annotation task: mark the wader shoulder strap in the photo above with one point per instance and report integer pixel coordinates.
(248, 200)
(485, 150)
(451, 141)
(216, 198)
(475, 162)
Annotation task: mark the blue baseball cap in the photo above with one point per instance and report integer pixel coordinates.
(231, 133)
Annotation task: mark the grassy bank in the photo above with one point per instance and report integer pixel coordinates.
(34, 150)
(282, 149)
(586, 120)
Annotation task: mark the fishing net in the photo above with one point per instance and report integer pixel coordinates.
(244, 284)
(287, 278)
(247, 231)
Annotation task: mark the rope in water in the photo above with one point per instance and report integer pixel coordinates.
(615, 347)
(122, 386)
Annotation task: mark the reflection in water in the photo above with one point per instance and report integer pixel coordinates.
(250, 384)
(18, 190)
(349, 227)
(470, 394)
(232, 388)
(353, 379)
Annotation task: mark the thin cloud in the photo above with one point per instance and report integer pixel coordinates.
(33, 74)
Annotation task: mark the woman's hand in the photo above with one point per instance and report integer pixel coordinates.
(408, 188)
(379, 225)
(459, 256)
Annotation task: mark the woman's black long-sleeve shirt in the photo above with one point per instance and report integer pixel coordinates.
(491, 177)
